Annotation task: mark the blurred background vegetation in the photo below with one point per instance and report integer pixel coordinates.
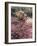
(27, 10)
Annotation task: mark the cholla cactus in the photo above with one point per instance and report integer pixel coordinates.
(20, 14)
(21, 29)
